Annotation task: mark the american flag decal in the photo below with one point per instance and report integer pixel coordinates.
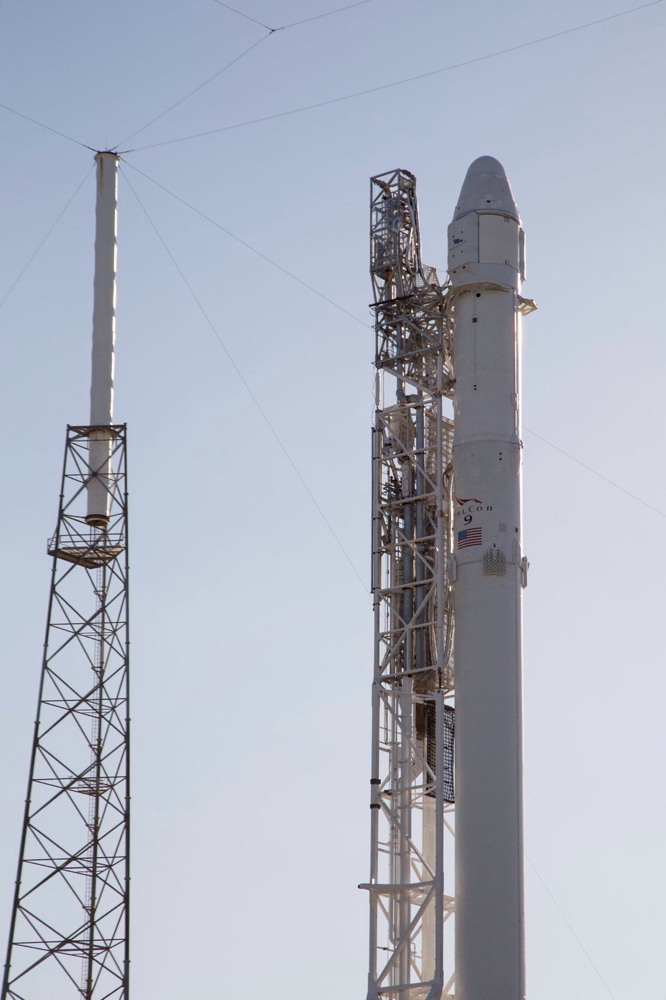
(470, 536)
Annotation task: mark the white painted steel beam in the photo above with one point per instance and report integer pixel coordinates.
(104, 337)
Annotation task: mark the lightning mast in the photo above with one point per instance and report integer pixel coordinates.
(69, 927)
(410, 886)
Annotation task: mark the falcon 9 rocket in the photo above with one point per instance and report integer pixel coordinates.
(486, 270)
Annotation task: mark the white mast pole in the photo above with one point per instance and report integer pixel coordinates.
(104, 337)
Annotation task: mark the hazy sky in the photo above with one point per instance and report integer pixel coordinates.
(252, 634)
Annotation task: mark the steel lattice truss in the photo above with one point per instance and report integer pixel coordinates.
(68, 935)
(412, 778)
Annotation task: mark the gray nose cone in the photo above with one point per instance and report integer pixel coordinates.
(486, 188)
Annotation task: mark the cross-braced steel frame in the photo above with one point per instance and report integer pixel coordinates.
(410, 886)
(69, 927)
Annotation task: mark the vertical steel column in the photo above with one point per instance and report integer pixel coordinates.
(104, 335)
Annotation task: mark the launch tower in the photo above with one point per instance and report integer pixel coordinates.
(69, 927)
(413, 714)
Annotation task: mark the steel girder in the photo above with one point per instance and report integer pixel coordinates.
(69, 926)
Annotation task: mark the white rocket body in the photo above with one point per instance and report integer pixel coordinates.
(486, 268)
(104, 337)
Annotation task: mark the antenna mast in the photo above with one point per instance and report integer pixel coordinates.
(69, 927)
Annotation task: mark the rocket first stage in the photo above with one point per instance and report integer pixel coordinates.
(486, 269)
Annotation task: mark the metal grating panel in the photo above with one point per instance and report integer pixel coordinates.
(494, 562)
(449, 743)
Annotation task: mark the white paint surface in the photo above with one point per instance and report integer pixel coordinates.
(490, 959)
(104, 334)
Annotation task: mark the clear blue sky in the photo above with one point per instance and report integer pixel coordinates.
(251, 651)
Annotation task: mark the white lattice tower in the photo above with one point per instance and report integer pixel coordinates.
(411, 876)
